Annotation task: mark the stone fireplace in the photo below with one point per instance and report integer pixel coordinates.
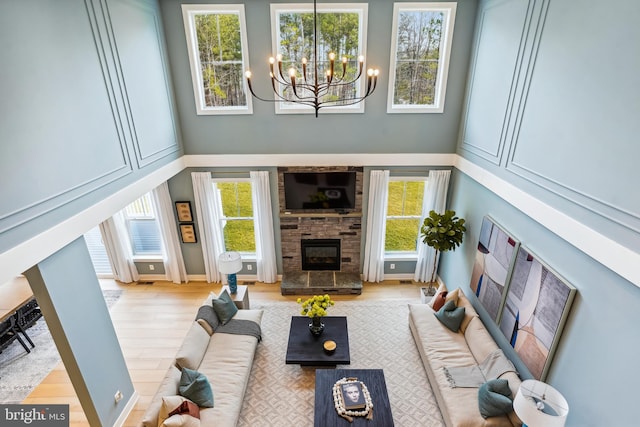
(343, 227)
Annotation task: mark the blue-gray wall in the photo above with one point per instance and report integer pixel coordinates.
(86, 107)
(86, 111)
(544, 97)
(552, 108)
(265, 132)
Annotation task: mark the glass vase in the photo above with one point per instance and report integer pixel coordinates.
(316, 326)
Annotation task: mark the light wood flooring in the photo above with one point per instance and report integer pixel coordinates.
(151, 321)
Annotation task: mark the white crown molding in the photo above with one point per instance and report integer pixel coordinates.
(351, 159)
(25, 255)
(609, 253)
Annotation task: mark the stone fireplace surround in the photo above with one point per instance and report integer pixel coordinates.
(299, 225)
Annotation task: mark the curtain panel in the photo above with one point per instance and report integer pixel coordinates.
(208, 210)
(373, 269)
(172, 258)
(263, 226)
(435, 198)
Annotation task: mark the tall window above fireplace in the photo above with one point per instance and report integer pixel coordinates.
(320, 254)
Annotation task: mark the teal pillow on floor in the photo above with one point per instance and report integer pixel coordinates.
(450, 315)
(494, 398)
(224, 307)
(195, 387)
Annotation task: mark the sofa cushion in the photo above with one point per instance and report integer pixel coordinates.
(181, 421)
(195, 387)
(450, 315)
(168, 387)
(224, 307)
(193, 347)
(461, 301)
(168, 404)
(494, 398)
(207, 318)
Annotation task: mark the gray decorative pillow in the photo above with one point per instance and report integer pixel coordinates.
(211, 321)
(224, 307)
(450, 315)
(494, 398)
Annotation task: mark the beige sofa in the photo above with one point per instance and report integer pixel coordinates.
(440, 348)
(225, 359)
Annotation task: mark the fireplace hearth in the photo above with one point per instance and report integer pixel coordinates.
(320, 254)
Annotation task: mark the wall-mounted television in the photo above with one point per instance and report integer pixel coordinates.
(320, 190)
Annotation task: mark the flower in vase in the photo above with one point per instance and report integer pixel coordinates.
(316, 306)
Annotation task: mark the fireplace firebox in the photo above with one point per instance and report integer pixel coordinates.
(321, 254)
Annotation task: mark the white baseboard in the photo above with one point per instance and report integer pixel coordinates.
(127, 410)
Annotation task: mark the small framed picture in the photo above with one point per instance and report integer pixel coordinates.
(352, 395)
(188, 233)
(184, 211)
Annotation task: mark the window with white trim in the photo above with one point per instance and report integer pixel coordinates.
(217, 44)
(420, 50)
(404, 213)
(142, 225)
(342, 30)
(236, 218)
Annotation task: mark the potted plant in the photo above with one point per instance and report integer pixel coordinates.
(442, 232)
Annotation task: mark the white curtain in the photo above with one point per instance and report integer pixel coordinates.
(376, 226)
(116, 243)
(207, 211)
(435, 198)
(173, 262)
(263, 226)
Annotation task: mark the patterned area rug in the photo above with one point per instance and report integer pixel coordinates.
(283, 395)
(21, 372)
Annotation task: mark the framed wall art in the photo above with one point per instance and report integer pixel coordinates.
(492, 266)
(184, 211)
(535, 311)
(188, 233)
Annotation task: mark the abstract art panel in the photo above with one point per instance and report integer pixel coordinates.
(492, 266)
(537, 305)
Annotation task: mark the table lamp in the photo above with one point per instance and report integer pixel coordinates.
(230, 263)
(539, 405)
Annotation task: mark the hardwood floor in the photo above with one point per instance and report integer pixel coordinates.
(151, 322)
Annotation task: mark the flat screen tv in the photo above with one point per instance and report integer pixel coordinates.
(320, 190)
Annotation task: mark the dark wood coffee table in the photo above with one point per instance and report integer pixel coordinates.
(325, 413)
(305, 349)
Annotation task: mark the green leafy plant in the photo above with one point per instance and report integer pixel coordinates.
(316, 306)
(442, 232)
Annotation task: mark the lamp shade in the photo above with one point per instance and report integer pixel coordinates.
(229, 262)
(539, 405)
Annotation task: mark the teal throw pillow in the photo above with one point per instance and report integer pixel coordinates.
(494, 398)
(195, 387)
(224, 307)
(450, 315)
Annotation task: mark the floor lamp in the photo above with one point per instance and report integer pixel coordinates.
(230, 263)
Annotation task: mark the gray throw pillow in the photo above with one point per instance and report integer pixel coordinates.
(450, 315)
(224, 307)
(494, 398)
(208, 314)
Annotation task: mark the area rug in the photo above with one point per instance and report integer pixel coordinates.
(21, 372)
(283, 395)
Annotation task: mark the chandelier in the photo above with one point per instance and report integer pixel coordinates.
(300, 89)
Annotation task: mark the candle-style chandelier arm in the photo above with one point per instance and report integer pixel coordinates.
(311, 93)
